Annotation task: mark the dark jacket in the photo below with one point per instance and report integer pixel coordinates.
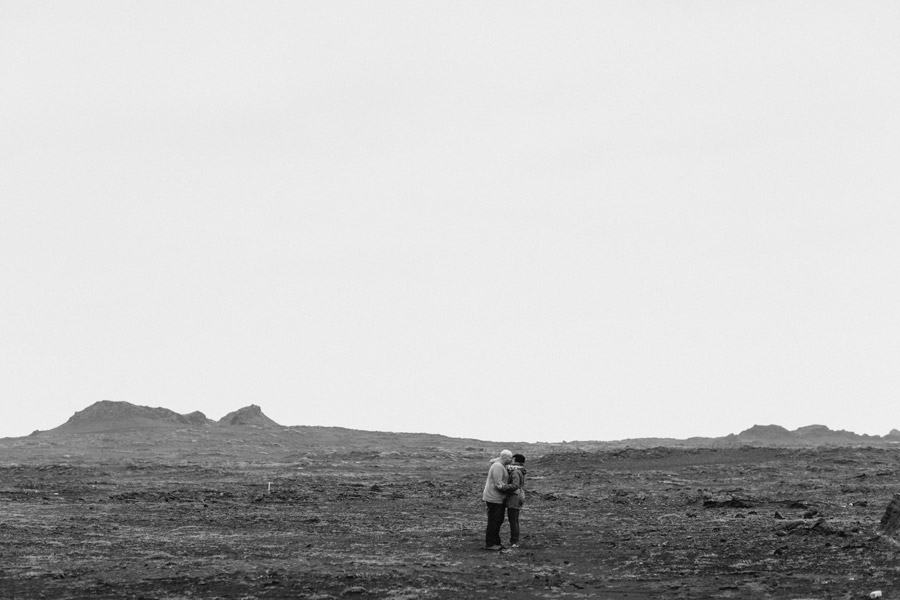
(516, 500)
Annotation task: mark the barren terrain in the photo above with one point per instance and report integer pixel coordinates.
(262, 514)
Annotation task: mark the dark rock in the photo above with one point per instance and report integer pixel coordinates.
(356, 590)
(824, 527)
(890, 521)
(729, 503)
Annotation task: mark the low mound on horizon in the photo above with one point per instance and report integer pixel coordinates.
(107, 416)
(249, 415)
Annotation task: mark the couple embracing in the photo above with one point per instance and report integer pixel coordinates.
(504, 493)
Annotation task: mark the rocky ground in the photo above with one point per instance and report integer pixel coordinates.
(156, 520)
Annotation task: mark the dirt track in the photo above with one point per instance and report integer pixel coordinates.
(657, 523)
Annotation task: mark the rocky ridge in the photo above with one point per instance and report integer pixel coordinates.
(110, 417)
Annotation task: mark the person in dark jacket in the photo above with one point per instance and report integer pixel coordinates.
(516, 500)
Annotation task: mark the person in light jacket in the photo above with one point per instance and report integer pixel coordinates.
(516, 500)
(496, 487)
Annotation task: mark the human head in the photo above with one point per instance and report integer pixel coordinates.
(506, 457)
(519, 458)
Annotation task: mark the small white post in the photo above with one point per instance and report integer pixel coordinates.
(269, 489)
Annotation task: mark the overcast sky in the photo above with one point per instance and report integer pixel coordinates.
(502, 220)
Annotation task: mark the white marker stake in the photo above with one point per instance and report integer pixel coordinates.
(269, 490)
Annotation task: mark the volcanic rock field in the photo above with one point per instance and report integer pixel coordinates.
(123, 501)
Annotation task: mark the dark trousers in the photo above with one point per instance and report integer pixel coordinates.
(513, 516)
(495, 515)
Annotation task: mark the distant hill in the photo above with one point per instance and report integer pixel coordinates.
(810, 435)
(763, 434)
(109, 416)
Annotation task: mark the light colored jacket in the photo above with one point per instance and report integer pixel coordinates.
(497, 477)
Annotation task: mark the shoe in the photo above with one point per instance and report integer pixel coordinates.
(513, 545)
(497, 547)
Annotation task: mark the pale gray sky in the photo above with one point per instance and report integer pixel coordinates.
(503, 220)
